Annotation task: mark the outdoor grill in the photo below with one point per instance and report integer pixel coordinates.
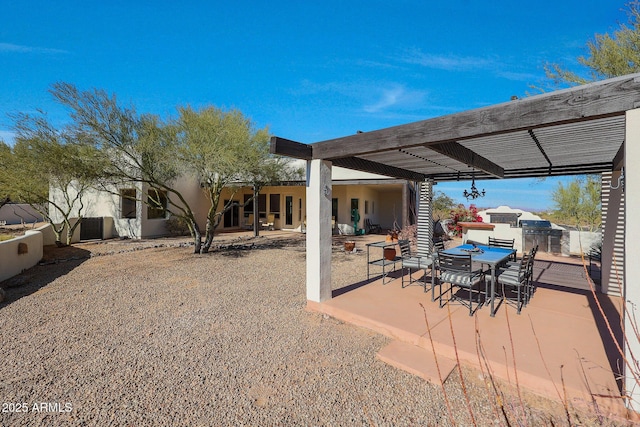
(539, 232)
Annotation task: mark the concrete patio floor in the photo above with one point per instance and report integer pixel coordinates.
(560, 347)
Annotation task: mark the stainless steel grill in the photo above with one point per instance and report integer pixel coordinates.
(540, 233)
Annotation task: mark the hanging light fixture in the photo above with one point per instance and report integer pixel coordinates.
(474, 193)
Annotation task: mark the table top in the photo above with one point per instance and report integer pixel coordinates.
(484, 254)
(382, 244)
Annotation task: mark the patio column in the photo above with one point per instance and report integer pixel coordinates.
(405, 204)
(631, 291)
(613, 254)
(318, 230)
(425, 219)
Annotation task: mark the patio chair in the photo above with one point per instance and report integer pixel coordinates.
(248, 222)
(457, 270)
(532, 283)
(516, 278)
(438, 245)
(503, 243)
(371, 228)
(269, 223)
(413, 262)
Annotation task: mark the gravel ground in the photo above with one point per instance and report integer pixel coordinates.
(146, 333)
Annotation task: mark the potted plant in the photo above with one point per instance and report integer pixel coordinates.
(389, 253)
(349, 246)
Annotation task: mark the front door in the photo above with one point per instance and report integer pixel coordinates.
(354, 210)
(232, 216)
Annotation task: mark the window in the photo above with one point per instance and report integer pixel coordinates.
(299, 209)
(248, 208)
(366, 206)
(262, 205)
(128, 203)
(156, 204)
(274, 204)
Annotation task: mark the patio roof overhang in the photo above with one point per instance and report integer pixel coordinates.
(586, 129)
(573, 131)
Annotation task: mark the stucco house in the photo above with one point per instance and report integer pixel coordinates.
(121, 212)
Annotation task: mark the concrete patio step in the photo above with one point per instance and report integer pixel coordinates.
(417, 361)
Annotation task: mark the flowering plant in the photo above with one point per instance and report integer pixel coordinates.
(462, 214)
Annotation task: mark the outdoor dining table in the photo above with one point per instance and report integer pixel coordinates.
(483, 254)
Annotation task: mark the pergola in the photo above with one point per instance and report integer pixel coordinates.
(594, 128)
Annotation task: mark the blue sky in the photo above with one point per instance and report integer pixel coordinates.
(308, 70)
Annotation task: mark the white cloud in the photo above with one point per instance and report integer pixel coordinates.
(397, 97)
(389, 98)
(370, 97)
(10, 47)
(445, 62)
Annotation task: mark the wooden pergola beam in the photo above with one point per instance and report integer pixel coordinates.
(377, 168)
(610, 97)
(464, 155)
(286, 147)
(618, 160)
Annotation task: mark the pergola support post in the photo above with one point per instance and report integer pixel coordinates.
(318, 230)
(631, 292)
(425, 219)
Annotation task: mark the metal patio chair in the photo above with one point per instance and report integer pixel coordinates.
(457, 270)
(371, 228)
(503, 243)
(516, 278)
(413, 262)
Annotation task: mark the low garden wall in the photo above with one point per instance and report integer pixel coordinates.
(21, 253)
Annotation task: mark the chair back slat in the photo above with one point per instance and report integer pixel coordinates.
(502, 243)
(532, 258)
(438, 245)
(405, 248)
(451, 262)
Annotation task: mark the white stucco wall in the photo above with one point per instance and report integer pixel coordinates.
(631, 291)
(13, 263)
(583, 241)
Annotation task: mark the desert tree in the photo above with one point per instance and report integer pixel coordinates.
(608, 55)
(5, 180)
(578, 202)
(51, 170)
(442, 205)
(225, 150)
(215, 147)
(138, 149)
